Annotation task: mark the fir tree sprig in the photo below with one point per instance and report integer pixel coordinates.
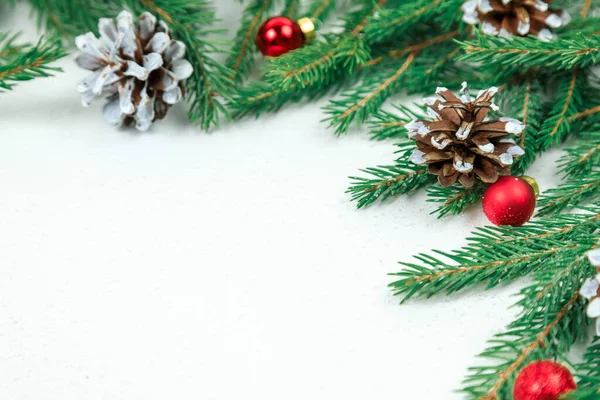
(583, 156)
(571, 193)
(9, 47)
(30, 62)
(319, 10)
(568, 100)
(523, 101)
(241, 57)
(453, 200)
(414, 65)
(70, 18)
(366, 98)
(519, 53)
(385, 181)
(392, 23)
(499, 254)
(390, 125)
(589, 368)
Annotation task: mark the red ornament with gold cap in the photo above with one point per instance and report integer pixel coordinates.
(279, 35)
(510, 200)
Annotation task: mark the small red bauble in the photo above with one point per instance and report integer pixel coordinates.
(278, 35)
(543, 380)
(509, 201)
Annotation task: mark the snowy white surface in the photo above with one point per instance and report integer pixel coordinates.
(182, 265)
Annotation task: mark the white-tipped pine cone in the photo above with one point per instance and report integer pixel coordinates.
(515, 17)
(459, 143)
(138, 68)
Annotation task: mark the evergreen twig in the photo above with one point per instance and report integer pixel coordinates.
(26, 63)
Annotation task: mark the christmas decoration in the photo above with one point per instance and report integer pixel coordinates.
(591, 289)
(279, 35)
(459, 143)
(509, 201)
(543, 380)
(138, 68)
(515, 17)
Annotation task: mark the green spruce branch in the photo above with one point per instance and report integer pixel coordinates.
(392, 23)
(453, 200)
(523, 101)
(519, 53)
(571, 193)
(24, 63)
(9, 47)
(417, 64)
(583, 156)
(319, 10)
(241, 57)
(589, 368)
(70, 18)
(386, 181)
(390, 125)
(495, 255)
(568, 101)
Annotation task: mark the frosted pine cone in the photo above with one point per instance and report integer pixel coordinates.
(459, 143)
(138, 68)
(515, 17)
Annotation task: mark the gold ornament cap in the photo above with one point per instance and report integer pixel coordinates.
(533, 183)
(307, 26)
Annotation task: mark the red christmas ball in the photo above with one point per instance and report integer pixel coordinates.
(278, 35)
(509, 201)
(543, 380)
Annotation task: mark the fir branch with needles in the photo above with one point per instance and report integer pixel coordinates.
(70, 18)
(524, 101)
(571, 193)
(29, 62)
(453, 200)
(319, 10)
(241, 57)
(589, 368)
(9, 46)
(583, 156)
(518, 54)
(499, 254)
(390, 125)
(385, 181)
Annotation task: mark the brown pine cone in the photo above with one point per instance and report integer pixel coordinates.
(515, 17)
(459, 143)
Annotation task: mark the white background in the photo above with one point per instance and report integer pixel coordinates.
(177, 264)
